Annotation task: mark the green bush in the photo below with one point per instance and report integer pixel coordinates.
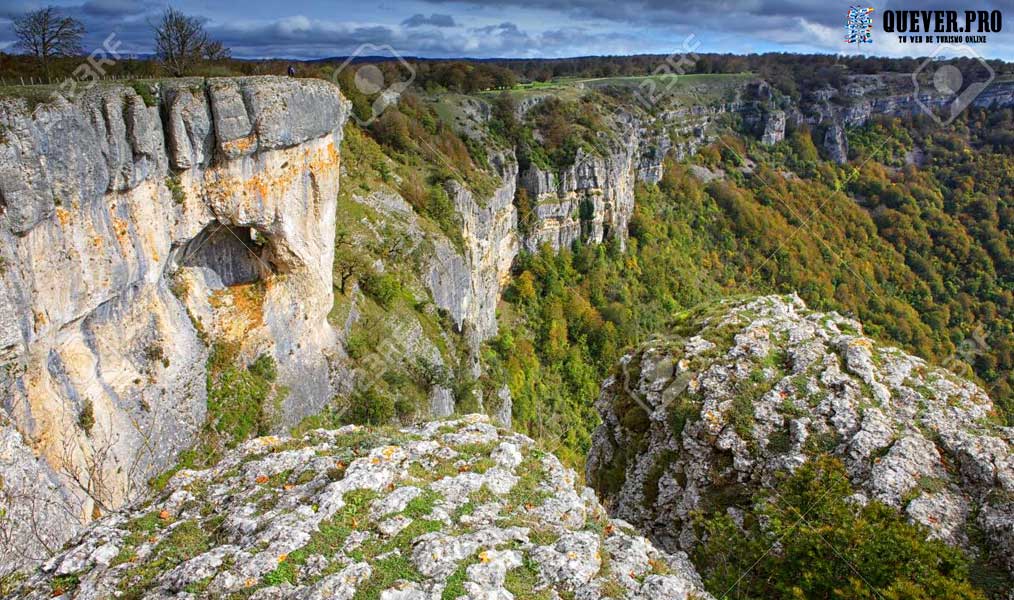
(242, 402)
(806, 540)
(369, 407)
(382, 287)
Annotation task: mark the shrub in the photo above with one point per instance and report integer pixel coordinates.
(86, 418)
(382, 287)
(827, 547)
(176, 188)
(369, 407)
(242, 402)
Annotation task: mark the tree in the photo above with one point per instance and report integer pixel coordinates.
(181, 42)
(215, 50)
(45, 34)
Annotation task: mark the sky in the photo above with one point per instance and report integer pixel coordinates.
(306, 29)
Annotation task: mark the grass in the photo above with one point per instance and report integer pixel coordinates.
(525, 580)
(187, 540)
(329, 538)
(387, 572)
(456, 582)
(422, 505)
(526, 491)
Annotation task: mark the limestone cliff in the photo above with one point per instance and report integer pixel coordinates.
(489, 229)
(132, 230)
(593, 199)
(889, 94)
(745, 389)
(447, 509)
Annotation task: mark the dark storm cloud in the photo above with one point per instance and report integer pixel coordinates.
(434, 20)
(301, 36)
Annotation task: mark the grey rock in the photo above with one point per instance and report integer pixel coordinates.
(836, 144)
(436, 541)
(106, 206)
(774, 127)
(817, 384)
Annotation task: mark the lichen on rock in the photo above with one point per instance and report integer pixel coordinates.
(446, 509)
(742, 390)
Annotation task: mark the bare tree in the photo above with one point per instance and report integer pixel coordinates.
(214, 50)
(45, 34)
(181, 42)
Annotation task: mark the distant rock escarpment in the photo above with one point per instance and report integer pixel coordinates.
(743, 390)
(453, 509)
(135, 225)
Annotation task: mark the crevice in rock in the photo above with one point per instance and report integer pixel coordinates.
(233, 255)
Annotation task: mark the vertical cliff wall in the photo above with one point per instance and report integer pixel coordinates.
(593, 199)
(131, 230)
(469, 286)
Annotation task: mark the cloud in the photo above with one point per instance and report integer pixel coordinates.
(506, 28)
(790, 24)
(114, 8)
(434, 20)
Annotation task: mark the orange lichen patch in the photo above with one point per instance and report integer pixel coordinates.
(164, 515)
(122, 230)
(241, 146)
(249, 301)
(248, 194)
(239, 309)
(63, 215)
(261, 479)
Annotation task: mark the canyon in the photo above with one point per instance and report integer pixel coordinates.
(141, 228)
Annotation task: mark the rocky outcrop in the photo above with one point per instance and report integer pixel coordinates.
(590, 200)
(489, 231)
(836, 144)
(132, 230)
(762, 386)
(446, 509)
(774, 127)
(593, 199)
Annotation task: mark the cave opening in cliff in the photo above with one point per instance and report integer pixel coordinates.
(235, 255)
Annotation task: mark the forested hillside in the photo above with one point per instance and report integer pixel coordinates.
(921, 253)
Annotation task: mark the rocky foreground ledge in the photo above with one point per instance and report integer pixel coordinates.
(449, 509)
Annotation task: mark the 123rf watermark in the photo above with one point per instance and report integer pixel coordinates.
(89, 73)
(384, 86)
(949, 80)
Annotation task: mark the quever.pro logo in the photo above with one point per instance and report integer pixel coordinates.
(859, 25)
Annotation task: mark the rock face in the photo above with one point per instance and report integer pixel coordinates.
(131, 232)
(836, 144)
(761, 386)
(774, 127)
(590, 200)
(593, 199)
(452, 509)
(489, 229)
